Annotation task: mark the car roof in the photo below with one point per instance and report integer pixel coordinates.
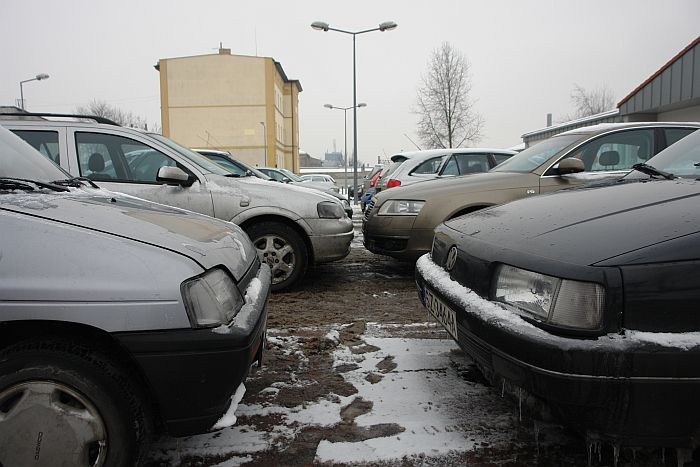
(212, 151)
(427, 153)
(603, 127)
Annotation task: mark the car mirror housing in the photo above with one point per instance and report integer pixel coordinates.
(173, 176)
(570, 165)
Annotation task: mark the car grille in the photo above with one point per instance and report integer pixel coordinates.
(368, 209)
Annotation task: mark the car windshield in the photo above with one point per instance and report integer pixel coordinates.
(19, 160)
(292, 175)
(192, 156)
(534, 156)
(681, 159)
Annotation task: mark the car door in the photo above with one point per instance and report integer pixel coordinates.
(610, 155)
(128, 163)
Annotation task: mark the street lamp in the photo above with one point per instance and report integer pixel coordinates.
(345, 112)
(38, 77)
(265, 142)
(385, 26)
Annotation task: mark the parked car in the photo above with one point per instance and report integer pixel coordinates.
(291, 227)
(117, 317)
(368, 185)
(400, 222)
(586, 299)
(425, 165)
(288, 177)
(320, 178)
(225, 159)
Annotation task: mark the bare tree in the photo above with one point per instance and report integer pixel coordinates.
(106, 110)
(590, 101)
(447, 118)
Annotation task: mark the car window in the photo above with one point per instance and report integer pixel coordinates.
(116, 158)
(319, 179)
(616, 151)
(682, 159)
(501, 158)
(44, 141)
(472, 163)
(392, 168)
(451, 167)
(431, 166)
(534, 156)
(673, 135)
(274, 175)
(225, 162)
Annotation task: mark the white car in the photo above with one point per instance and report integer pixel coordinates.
(417, 166)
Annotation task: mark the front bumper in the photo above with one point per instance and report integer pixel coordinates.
(628, 390)
(331, 238)
(395, 236)
(192, 373)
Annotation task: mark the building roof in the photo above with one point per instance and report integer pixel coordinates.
(659, 71)
(222, 51)
(579, 122)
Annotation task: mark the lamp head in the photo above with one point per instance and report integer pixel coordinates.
(320, 26)
(328, 106)
(387, 26)
(362, 104)
(41, 76)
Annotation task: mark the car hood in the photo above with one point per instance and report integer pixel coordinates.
(206, 240)
(485, 181)
(587, 226)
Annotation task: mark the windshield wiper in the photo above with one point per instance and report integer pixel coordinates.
(232, 175)
(75, 182)
(651, 170)
(24, 184)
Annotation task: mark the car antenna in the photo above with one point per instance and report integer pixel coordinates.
(418, 147)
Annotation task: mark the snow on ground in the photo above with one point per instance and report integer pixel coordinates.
(416, 386)
(425, 395)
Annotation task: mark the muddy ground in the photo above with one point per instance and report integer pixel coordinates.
(337, 307)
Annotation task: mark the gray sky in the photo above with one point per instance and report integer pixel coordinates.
(525, 55)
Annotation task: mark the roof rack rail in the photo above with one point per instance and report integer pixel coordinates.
(96, 118)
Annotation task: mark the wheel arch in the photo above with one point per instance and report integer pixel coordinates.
(16, 332)
(467, 210)
(288, 222)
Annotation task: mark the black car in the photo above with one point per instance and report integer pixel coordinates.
(586, 298)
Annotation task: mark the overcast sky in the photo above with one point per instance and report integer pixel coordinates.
(525, 55)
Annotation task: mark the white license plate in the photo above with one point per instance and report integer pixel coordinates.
(443, 313)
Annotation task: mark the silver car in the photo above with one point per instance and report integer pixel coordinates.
(291, 227)
(119, 317)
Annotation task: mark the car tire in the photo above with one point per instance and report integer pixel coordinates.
(282, 248)
(66, 404)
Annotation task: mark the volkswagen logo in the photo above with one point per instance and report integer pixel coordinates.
(451, 258)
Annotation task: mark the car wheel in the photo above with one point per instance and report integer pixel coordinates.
(282, 248)
(62, 404)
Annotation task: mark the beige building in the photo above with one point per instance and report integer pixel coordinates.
(238, 103)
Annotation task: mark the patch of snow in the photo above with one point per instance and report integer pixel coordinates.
(333, 336)
(229, 419)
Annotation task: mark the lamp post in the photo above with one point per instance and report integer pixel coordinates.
(385, 26)
(38, 77)
(345, 127)
(264, 142)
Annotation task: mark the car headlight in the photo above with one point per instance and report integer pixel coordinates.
(211, 299)
(560, 302)
(401, 207)
(330, 210)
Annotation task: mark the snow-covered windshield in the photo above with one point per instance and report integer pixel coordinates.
(19, 160)
(192, 156)
(681, 159)
(535, 156)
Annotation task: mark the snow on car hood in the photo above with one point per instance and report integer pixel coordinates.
(206, 240)
(586, 226)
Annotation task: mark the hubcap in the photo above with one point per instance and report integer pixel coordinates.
(48, 423)
(277, 253)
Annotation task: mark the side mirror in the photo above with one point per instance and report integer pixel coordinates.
(173, 176)
(570, 165)
(286, 180)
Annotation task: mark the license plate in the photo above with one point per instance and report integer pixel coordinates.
(443, 313)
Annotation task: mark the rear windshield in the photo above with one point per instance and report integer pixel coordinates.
(392, 168)
(681, 159)
(535, 156)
